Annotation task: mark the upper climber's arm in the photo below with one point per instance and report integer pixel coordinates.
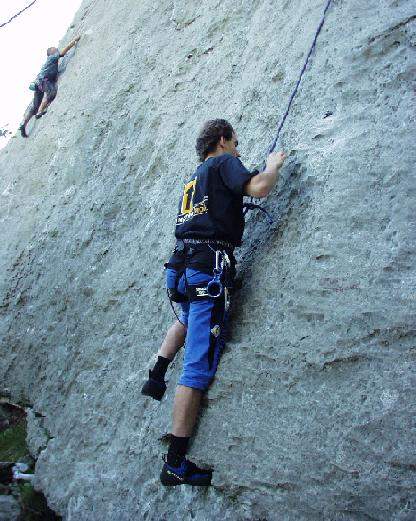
(69, 46)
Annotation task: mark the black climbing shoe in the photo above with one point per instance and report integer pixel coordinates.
(186, 474)
(154, 388)
(23, 131)
(38, 116)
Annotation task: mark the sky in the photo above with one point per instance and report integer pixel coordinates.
(23, 45)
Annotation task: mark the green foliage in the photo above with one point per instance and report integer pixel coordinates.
(34, 506)
(13, 442)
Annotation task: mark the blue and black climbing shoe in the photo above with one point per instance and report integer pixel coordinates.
(186, 474)
(154, 388)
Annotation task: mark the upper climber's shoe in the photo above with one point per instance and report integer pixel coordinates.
(38, 116)
(22, 129)
(186, 474)
(154, 388)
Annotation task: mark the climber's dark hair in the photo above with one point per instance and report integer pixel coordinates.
(212, 131)
(51, 50)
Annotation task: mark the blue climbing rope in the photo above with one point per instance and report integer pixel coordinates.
(18, 14)
(251, 205)
(292, 97)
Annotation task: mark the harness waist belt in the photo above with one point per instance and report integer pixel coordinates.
(225, 244)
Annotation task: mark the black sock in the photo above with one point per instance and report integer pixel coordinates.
(160, 368)
(177, 449)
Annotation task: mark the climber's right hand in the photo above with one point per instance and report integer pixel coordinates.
(275, 161)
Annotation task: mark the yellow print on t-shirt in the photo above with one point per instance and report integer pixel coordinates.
(188, 197)
(188, 208)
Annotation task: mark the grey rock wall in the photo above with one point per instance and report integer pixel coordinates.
(9, 508)
(312, 414)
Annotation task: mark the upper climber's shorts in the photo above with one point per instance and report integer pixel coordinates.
(50, 88)
(205, 320)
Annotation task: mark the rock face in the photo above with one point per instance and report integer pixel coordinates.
(312, 414)
(9, 509)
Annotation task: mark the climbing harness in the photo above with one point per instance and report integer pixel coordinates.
(251, 205)
(18, 14)
(219, 284)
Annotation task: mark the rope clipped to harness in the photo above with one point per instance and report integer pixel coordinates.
(254, 206)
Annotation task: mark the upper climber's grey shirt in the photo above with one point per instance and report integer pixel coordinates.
(49, 69)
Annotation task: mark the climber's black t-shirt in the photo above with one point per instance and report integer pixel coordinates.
(211, 206)
(49, 69)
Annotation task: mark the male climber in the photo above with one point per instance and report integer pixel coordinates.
(209, 225)
(46, 85)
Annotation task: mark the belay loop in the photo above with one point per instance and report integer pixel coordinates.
(214, 286)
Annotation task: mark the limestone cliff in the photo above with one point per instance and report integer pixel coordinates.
(312, 414)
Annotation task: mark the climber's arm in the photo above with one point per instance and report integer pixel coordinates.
(262, 184)
(69, 46)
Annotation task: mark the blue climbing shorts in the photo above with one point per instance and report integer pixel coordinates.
(205, 320)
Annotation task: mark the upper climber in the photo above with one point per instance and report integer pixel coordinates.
(46, 85)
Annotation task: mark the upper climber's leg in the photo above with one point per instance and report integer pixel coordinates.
(51, 89)
(31, 110)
